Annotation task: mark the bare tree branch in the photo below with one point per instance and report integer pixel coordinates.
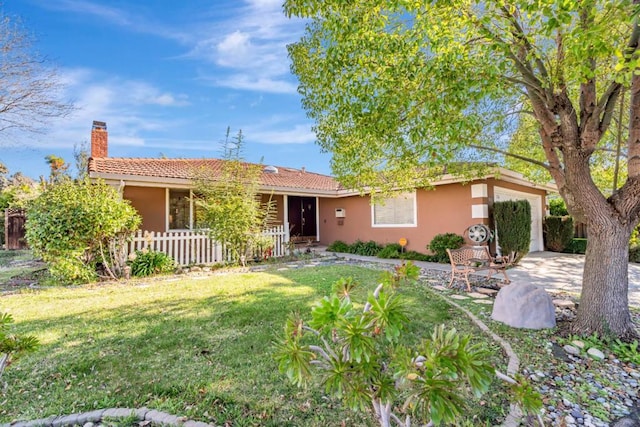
(30, 91)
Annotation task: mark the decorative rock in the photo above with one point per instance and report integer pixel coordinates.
(69, 420)
(195, 424)
(459, 297)
(476, 295)
(118, 413)
(90, 417)
(595, 353)
(563, 303)
(486, 291)
(523, 305)
(574, 351)
(625, 422)
(483, 301)
(439, 288)
(577, 343)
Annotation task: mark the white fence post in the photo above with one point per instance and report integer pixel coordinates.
(195, 247)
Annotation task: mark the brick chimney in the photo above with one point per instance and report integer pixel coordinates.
(99, 139)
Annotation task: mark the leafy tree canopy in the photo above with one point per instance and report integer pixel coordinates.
(398, 88)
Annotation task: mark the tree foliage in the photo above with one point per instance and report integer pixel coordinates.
(397, 88)
(74, 226)
(58, 169)
(229, 205)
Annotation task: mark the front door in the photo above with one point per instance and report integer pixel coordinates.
(302, 217)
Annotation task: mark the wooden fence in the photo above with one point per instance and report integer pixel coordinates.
(14, 220)
(195, 247)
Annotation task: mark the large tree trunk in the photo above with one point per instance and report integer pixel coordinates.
(604, 304)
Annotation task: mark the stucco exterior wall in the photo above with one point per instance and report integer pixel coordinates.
(150, 202)
(445, 209)
(151, 206)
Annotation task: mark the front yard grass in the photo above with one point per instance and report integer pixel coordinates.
(194, 347)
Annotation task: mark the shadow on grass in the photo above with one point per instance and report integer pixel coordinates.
(201, 350)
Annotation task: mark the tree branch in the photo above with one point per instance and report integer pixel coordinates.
(515, 156)
(367, 306)
(320, 351)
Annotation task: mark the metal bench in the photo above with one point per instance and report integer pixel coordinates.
(472, 259)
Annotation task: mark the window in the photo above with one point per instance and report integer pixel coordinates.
(179, 209)
(398, 211)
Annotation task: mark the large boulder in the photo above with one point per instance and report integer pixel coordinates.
(523, 305)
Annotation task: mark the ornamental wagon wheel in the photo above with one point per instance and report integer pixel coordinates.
(479, 233)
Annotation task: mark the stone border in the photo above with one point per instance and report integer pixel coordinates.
(90, 418)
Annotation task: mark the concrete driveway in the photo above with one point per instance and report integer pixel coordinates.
(552, 270)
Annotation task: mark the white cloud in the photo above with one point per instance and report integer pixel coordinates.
(250, 48)
(299, 134)
(233, 49)
(126, 105)
(115, 16)
(262, 84)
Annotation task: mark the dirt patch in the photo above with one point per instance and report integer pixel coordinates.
(18, 270)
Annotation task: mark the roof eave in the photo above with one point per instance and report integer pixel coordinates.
(164, 182)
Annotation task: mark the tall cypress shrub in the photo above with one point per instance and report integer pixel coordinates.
(558, 232)
(513, 224)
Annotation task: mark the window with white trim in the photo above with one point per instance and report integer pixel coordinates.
(397, 211)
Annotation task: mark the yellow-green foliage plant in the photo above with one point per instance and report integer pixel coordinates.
(75, 226)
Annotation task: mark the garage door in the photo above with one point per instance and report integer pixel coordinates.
(503, 194)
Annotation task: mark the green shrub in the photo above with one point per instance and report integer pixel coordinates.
(369, 248)
(74, 226)
(558, 232)
(577, 246)
(513, 224)
(338, 246)
(626, 351)
(441, 242)
(634, 254)
(390, 251)
(148, 263)
(71, 270)
(635, 237)
(557, 207)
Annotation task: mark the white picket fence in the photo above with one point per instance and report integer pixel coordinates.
(196, 248)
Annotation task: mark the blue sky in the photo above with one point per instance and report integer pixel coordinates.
(168, 77)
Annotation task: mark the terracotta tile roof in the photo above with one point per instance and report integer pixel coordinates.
(184, 169)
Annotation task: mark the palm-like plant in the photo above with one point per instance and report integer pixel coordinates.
(13, 346)
(357, 357)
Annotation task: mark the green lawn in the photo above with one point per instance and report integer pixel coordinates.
(199, 348)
